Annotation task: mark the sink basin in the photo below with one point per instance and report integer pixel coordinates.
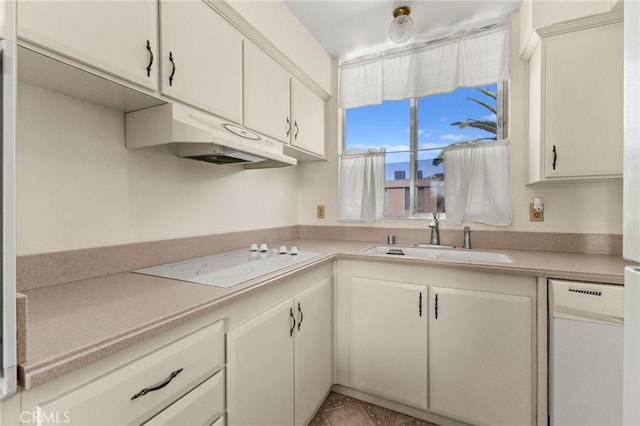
(446, 254)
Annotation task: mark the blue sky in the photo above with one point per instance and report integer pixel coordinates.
(387, 125)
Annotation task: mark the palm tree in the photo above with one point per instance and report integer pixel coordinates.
(490, 126)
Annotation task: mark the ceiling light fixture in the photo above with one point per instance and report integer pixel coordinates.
(401, 28)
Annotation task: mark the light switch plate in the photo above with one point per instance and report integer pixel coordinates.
(320, 211)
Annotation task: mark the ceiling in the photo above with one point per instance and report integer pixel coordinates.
(347, 29)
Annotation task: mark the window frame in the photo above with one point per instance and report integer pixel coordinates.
(502, 133)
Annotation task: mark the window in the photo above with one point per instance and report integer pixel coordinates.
(414, 132)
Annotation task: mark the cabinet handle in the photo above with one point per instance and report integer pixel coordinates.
(420, 304)
(157, 386)
(150, 58)
(293, 318)
(173, 68)
(295, 136)
(555, 157)
(301, 317)
(436, 307)
(288, 127)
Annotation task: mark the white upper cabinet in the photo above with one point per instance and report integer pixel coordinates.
(307, 111)
(201, 61)
(282, 107)
(266, 94)
(117, 37)
(575, 104)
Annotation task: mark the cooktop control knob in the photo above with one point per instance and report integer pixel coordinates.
(253, 247)
(283, 250)
(264, 248)
(294, 251)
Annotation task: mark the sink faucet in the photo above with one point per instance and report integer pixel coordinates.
(435, 237)
(467, 238)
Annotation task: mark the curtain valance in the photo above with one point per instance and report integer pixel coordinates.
(465, 59)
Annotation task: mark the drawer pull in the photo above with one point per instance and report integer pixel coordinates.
(173, 68)
(301, 317)
(157, 386)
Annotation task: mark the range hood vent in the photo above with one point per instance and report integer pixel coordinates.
(196, 135)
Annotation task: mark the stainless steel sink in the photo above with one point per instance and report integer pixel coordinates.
(444, 254)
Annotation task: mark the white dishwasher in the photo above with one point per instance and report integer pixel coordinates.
(585, 353)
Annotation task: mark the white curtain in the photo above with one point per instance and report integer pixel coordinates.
(361, 186)
(471, 58)
(476, 181)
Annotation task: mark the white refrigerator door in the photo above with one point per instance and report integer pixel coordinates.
(8, 356)
(631, 214)
(631, 222)
(631, 365)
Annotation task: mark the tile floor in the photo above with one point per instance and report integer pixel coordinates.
(341, 410)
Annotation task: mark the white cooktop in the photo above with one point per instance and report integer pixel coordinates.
(227, 269)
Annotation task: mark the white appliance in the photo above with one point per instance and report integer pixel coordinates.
(230, 268)
(585, 353)
(8, 85)
(201, 136)
(631, 213)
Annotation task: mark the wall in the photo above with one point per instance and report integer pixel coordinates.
(575, 207)
(79, 187)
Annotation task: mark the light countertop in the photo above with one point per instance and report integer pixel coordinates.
(72, 324)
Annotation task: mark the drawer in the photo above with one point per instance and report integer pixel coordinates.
(202, 406)
(125, 395)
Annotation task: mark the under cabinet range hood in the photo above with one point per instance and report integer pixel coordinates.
(200, 136)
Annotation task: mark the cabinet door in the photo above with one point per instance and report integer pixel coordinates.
(389, 340)
(307, 110)
(583, 94)
(480, 356)
(266, 94)
(201, 62)
(109, 35)
(260, 369)
(313, 349)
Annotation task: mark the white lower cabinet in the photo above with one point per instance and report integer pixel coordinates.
(480, 356)
(454, 343)
(280, 362)
(140, 389)
(313, 349)
(389, 339)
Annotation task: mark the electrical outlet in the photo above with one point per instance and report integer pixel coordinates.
(320, 211)
(535, 216)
